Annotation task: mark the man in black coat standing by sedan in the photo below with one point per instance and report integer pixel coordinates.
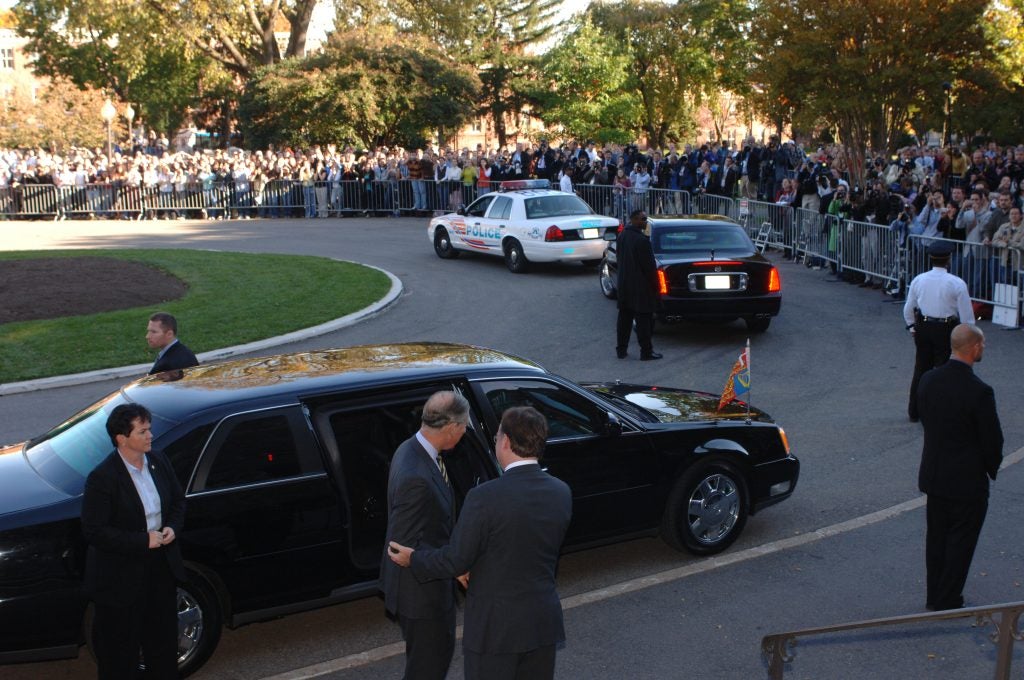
(508, 538)
(963, 448)
(638, 287)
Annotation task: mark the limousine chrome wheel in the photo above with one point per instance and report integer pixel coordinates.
(199, 624)
(708, 508)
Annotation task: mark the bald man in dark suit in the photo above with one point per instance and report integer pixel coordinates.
(963, 448)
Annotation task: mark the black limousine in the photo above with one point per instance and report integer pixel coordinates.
(284, 461)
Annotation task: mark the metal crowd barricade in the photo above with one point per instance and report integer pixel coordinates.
(33, 200)
(782, 234)
(993, 275)
(712, 204)
(816, 238)
(599, 197)
(871, 249)
(670, 202)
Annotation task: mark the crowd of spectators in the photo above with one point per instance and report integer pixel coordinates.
(969, 194)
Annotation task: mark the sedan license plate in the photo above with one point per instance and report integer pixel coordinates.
(716, 282)
(590, 233)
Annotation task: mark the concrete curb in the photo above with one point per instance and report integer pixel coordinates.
(139, 370)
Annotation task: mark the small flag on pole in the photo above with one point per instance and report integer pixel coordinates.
(739, 379)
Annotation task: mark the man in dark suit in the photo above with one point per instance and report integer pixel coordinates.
(421, 513)
(723, 180)
(508, 537)
(132, 512)
(637, 283)
(963, 447)
(162, 335)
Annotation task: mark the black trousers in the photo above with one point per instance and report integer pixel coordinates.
(429, 645)
(953, 530)
(931, 339)
(536, 664)
(149, 625)
(644, 330)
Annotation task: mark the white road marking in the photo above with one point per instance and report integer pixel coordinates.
(698, 567)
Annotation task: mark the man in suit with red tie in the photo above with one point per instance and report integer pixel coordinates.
(421, 513)
(963, 448)
(508, 538)
(132, 512)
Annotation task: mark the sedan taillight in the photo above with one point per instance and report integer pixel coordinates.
(774, 282)
(554, 234)
(662, 282)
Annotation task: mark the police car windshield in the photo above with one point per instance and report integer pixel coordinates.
(556, 205)
(682, 239)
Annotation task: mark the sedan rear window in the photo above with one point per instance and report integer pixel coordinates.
(556, 205)
(682, 239)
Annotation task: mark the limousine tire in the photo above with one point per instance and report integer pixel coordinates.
(443, 244)
(200, 620)
(707, 509)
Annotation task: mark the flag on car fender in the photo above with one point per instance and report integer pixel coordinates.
(739, 379)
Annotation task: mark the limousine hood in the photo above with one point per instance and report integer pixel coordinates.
(671, 405)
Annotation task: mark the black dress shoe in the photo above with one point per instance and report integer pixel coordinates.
(620, 353)
(650, 357)
(914, 419)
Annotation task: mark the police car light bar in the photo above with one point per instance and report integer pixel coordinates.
(515, 184)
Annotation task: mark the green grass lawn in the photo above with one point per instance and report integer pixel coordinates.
(232, 298)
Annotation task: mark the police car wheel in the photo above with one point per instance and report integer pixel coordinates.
(607, 280)
(443, 244)
(515, 260)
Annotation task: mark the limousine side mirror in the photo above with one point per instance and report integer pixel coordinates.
(612, 426)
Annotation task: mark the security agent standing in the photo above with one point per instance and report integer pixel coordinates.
(936, 302)
(421, 514)
(162, 335)
(963, 448)
(508, 538)
(637, 287)
(133, 509)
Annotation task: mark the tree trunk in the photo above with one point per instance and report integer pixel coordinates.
(299, 19)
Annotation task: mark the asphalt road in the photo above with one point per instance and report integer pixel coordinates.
(833, 369)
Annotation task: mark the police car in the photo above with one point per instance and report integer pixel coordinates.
(524, 221)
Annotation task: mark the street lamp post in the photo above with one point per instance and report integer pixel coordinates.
(109, 113)
(948, 88)
(129, 114)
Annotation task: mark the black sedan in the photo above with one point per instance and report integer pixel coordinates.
(284, 461)
(708, 268)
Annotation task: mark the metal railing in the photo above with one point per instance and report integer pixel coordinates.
(777, 649)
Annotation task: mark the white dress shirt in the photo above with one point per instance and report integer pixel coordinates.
(146, 488)
(938, 294)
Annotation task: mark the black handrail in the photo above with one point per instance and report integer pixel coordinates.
(778, 648)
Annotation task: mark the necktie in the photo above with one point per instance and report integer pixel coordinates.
(444, 472)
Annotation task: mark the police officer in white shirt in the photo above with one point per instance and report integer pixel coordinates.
(936, 302)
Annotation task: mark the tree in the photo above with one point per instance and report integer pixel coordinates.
(583, 88)
(493, 36)
(188, 48)
(361, 89)
(679, 55)
(863, 66)
(62, 116)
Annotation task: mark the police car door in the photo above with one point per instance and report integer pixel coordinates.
(481, 234)
(497, 222)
